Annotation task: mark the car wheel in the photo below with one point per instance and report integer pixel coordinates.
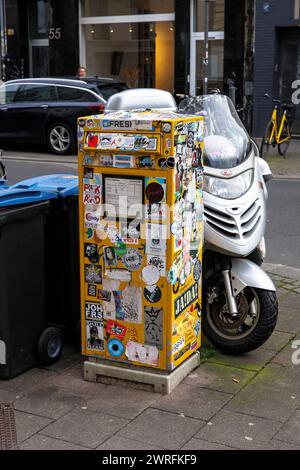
(60, 139)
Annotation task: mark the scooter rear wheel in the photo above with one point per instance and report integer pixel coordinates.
(236, 336)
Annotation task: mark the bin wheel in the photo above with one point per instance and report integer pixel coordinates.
(50, 346)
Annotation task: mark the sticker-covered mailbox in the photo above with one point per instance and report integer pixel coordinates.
(141, 219)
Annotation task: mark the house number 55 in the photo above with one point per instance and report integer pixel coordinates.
(54, 33)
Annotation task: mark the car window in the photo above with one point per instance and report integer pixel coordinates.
(108, 90)
(7, 93)
(75, 94)
(31, 93)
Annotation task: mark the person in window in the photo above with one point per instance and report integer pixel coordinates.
(81, 72)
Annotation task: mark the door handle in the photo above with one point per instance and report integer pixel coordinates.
(44, 106)
(4, 109)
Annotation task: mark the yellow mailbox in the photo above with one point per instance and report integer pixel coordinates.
(141, 226)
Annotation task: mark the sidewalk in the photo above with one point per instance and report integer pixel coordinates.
(282, 167)
(246, 402)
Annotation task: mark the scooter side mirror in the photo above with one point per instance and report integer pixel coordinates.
(264, 169)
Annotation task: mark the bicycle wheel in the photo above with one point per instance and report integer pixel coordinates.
(283, 146)
(265, 143)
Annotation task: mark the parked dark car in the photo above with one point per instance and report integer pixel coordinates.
(106, 87)
(45, 111)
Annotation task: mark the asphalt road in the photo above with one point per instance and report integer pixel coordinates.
(283, 226)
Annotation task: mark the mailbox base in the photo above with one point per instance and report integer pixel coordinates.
(97, 370)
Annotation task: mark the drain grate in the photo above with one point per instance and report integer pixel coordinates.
(8, 432)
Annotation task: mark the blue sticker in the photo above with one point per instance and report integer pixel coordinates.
(115, 347)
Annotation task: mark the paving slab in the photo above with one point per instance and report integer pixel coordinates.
(200, 444)
(220, 377)
(275, 444)
(193, 401)
(121, 443)
(84, 427)
(253, 361)
(162, 429)
(277, 377)
(122, 401)
(72, 378)
(50, 401)
(258, 401)
(277, 341)
(28, 424)
(70, 357)
(290, 432)
(289, 323)
(237, 430)
(284, 357)
(27, 381)
(39, 442)
(7, 396)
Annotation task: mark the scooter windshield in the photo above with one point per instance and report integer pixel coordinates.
(226, 143)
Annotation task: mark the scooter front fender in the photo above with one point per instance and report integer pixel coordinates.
(245, 273)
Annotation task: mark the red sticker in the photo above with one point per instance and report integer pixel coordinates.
(116, 329)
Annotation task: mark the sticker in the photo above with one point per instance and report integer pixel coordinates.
(132, 304)
(153, 326)
(186, 299)
(113, 301)
(90, 123)
(116, 329)
(89, 233)
(92, 274)
(155, 190)
(164, 163)
(91, 252)
(106, 160)
(197, 328)
(152, 294)
(104, 295)
(114, 124)
(92, 193)
(87, 159)
(92, 140)
(156, 239)
(159, 262)
(118, 305)
(119, 275)
(178, 345)
(150, 274)
(166, 127)
(190, 139)
(144, 162)
(80, 134)
(93, 311)
(81, 122)
(197, 270)
(110, 256)
(142, 353)
(131, 230)
(132, 259)
(115, 347)
(123, 161)
(124, 194)
(94, 335)
(92, 214)
(182, 352)
(92, 290)
(88, 173)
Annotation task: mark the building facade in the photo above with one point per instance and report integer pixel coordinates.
(147, 43)
(277, 57)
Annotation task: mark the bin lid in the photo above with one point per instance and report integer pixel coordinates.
(62, 185)
(14, 197)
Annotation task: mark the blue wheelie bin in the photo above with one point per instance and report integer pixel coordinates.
(56, 284)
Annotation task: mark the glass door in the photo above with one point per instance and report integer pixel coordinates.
(39, 58)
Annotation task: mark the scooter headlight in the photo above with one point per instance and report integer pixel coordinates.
(228, 188)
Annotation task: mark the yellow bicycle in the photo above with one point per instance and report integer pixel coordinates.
(278, 131)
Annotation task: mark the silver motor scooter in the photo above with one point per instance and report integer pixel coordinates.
(240, 305)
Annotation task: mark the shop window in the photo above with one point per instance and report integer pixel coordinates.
(216, 15)
(141, 54)
(126, 7)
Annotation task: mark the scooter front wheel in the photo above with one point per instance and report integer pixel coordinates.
(254, 324)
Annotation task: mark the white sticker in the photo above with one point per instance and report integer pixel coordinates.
(109, 306)
(156, 239)
(95, 335)
(143, 353)
(159, 262)
(132, 304)
(150, 275)
(178, 345)
(119, 275)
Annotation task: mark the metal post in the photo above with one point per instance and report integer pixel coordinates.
(206, 46)
(3, 41)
